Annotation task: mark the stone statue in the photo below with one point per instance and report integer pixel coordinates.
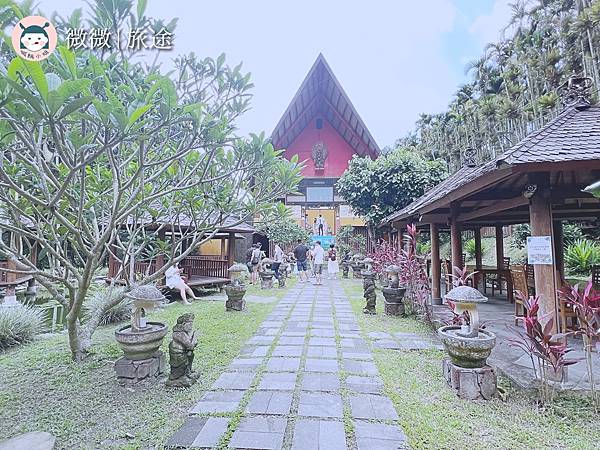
(369, 294)
(181, 352)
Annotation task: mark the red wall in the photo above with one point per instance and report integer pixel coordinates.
(338, 151)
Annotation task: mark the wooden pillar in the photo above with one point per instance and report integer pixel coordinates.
(559, 249)
(478, 256)
(223, 246)
(230, 249)
(436, 297)
(455, 238)
(10, 296)
(540, 219)
(499, 246)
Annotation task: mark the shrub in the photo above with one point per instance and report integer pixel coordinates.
(520, 233)
(581, 256)
(100, 297)
(19, 325)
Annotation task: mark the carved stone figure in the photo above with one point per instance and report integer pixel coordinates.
(319, 155)
(181, 352)
(369, 286)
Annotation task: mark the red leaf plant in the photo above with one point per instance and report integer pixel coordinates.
(538, 341)
(586, 304)
(384, 254)
(414, 276)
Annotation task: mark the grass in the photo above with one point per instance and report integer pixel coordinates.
(41, 389)
(434, 418)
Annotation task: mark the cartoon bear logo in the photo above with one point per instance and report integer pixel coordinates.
(34, 38)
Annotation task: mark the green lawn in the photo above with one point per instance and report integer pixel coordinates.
(434, 418)
(82, 405)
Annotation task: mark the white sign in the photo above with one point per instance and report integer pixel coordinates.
(539, 250)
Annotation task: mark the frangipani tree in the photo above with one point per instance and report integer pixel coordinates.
(93, 146)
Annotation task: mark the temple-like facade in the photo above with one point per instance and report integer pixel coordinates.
(322, 127)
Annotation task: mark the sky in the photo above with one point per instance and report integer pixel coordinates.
(394, 58)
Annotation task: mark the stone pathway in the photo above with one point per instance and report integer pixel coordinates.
(305, 380)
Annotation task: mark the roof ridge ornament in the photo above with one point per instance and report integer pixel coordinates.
(576, 92)
(469, 155)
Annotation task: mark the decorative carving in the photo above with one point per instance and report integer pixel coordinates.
(319, 155)
(469, 155)
(576, 91)
(181, 352)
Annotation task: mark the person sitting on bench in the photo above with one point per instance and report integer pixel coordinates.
(175, 281)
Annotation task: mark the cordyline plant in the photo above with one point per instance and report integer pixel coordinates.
(96, 150)
(460, 277)
(586, 304)
(413, 275)
(384, 255)
(548, 349)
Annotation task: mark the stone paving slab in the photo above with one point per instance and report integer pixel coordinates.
(321, 352)
(234, 380)
(321, 382)
(321, 365)
(270, 402)
(259, 433)
(369, 406)
(364, 385)
(218, 402)
(320, 405)
(283, 364)
(371, 436)
(319, 435)
(278, 381)
(360, 367)
(288, 350)
(246, 364)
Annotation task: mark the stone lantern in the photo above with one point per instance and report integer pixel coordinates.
(393, 294)
(283, 268)
(266, 273)
(468, 346)
(236, 289)
(141, 340)
(368, 276)
(356, 262)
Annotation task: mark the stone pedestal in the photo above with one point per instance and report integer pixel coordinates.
(470, 384)
(393, 301)
(131, 372)
(235, 298)
(266, 279)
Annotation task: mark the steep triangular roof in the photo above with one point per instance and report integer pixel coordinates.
(321, 93)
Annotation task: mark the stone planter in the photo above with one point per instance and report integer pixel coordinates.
(143, 344)
(467, 352)
(394, 305)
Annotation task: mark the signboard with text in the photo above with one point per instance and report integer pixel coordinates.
(539, 250)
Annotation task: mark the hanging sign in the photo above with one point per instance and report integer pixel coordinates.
(539, 250)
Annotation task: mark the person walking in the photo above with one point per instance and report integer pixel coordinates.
(333, 266)
(318, 261)
(278, 259)
(301, 254)
(255, 259)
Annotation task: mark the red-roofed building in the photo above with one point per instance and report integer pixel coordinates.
(323, 128)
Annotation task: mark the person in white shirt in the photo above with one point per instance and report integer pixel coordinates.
(173, 280)
(318, 260)
(321, 225)
(278, 258)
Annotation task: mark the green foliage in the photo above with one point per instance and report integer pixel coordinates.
(284, 231)
(348, 242)
(519, 236)
(104, 295)
(375, 189)
(19, 325)
(469, 248)
(581, 256)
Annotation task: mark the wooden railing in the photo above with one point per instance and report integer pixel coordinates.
(3, 274)
(193, 266)
(205, 266)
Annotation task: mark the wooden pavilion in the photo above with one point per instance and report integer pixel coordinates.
(207, 267)
(538, 181)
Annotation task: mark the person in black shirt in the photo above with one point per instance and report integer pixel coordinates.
(300, 253)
